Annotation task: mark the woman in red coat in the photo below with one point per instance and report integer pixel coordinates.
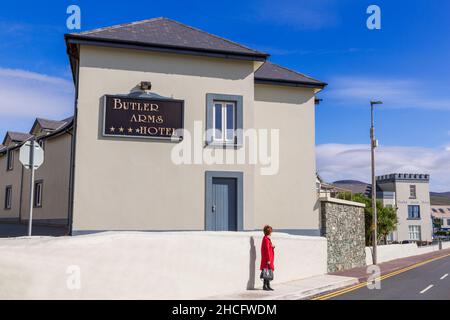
(267, 255)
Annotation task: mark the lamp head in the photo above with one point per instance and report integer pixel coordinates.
(372, 103)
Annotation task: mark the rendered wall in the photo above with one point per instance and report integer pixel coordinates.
(132, 184)
(398, 251)
(146, 265)
(287, 199)
(11, 178)
(54, 173)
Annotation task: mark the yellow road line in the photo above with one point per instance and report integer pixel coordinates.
(363, 284)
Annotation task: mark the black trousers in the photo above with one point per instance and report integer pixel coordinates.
(266, 282)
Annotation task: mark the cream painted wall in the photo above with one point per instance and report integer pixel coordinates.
(12, 178)
(132, 184)
(288, 200)
(122, 184)
(54, 172)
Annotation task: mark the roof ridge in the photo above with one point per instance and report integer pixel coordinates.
(118, 26)
(214, 35)
(290, 70)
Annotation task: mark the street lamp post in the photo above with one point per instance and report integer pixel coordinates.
(373, 145)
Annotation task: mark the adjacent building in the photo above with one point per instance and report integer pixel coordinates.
(155, 101)
(441, 214)
(51, 186)
(410, 194)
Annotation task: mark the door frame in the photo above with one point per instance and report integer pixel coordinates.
(239, 177)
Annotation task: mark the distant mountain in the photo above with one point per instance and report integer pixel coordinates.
(440, 198)
(436, 198)
(354, 186)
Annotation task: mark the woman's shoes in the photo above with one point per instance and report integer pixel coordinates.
(267, 287)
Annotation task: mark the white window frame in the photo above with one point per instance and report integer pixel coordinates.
(224, 130)
(8, 197)
(415, 233)
(38, 185)
(10, 160)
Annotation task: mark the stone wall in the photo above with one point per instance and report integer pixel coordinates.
(342, 223)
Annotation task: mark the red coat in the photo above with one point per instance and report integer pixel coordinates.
(267, 253)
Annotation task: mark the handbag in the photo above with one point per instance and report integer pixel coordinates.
(266, 274)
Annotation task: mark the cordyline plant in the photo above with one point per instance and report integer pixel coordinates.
(386, 216)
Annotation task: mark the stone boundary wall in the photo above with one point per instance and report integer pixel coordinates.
(342, 223)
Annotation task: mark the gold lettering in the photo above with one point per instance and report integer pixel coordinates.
(117, 104)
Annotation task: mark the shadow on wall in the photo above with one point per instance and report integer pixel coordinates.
(252, 265)
(277, 94)
(167, 63)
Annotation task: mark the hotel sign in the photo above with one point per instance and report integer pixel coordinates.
(142, 117)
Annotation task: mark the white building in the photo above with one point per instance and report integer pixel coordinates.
(410, 194)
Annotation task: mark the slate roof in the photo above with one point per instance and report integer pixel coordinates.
(165, 33)
(48, 124)
(17, 136)
(270, 72)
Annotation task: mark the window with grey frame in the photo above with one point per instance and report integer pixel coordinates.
(38, 186)
(414, 212)
(8, 197)
(10, 160)
(224, 119)
(412, 192)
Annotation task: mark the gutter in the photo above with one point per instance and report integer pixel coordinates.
(303, 84)
(73, 145)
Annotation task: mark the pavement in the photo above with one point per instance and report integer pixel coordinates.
(15, 229)
(293, 290)
(423, 277)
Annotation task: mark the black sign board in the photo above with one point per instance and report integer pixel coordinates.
(142, 117)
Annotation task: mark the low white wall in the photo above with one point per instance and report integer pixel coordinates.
(143, 265)
(398, 251)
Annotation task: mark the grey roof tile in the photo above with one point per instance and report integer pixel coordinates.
(50, 124)
(165, 32)
(271, 72)
(18, 136)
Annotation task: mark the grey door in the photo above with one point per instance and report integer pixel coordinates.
(222, 216)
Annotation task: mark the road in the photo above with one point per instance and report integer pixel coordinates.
(430, 281)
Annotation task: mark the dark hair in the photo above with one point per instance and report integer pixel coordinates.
(267, 230)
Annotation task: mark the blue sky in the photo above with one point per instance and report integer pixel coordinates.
(405, 64)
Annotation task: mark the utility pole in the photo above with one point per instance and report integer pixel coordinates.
(30, 220)
(373, 145)
(31, 155)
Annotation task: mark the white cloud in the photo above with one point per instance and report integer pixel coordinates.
(395, 93)
(30, 94)
(352, 161)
